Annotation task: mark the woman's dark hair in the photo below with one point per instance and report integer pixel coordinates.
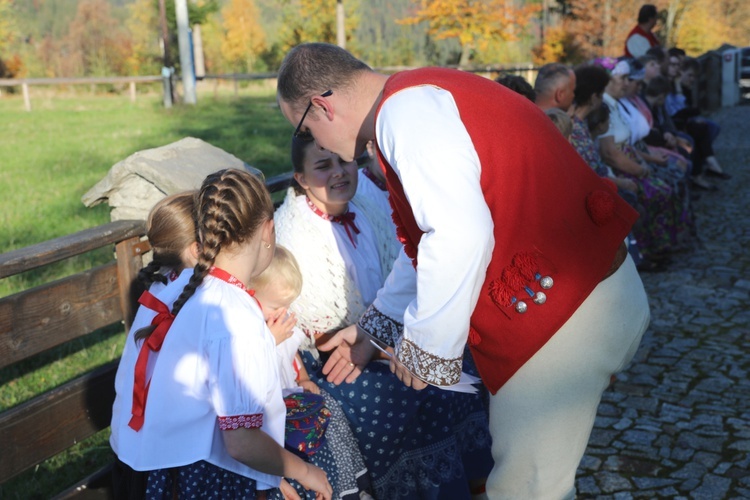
(647, 13)
(300, 143)
(170, 230)
(229, 209)
(659, 85)
(690, 63)
(597, 117)
(591, 80)
(517, 84)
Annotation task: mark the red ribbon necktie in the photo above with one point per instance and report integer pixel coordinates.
(162, 322)
(225, 276)
(346, 220)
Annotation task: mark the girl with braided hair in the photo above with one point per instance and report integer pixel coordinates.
(171, 233)
(199, 411)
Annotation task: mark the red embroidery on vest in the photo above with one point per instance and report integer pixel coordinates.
(600, 206)
(474, 337)
(526, 264)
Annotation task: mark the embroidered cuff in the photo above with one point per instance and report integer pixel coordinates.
(254, 421)
(380, 326)
(427, 366)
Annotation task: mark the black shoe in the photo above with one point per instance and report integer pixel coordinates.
(720, 175)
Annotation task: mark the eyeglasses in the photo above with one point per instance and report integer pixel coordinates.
(327, 93)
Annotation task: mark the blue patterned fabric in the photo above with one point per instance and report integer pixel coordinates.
(199, 480)
(416, 444)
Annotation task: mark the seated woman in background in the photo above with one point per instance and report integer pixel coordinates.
(416, 444)
(665, 224)
(591, 80)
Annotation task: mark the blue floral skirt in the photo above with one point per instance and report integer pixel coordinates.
(416, 444)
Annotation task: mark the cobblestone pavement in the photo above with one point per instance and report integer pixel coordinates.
(676, 423)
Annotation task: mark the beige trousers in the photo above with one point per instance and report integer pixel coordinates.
(541, 419)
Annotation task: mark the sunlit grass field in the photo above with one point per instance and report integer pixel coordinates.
(49, 158)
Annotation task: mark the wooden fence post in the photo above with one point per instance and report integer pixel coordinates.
(26, 97)
(132, 91)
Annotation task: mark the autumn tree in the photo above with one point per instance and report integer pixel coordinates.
(11, 62)
(703, 25)
(143, 26)
(473, 23)
(95, 43)
(244, 38)
(315, 21)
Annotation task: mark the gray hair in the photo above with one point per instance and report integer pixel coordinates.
(311, 69)
(550, 76)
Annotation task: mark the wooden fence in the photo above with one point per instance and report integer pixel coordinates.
(26, 83)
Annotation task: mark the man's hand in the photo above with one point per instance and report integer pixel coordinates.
(405, 376)
(351, 351)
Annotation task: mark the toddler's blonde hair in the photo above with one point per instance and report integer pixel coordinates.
(283, 272)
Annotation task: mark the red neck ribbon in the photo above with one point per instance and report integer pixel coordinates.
(162, 322)
(225, 276)
(346, 220)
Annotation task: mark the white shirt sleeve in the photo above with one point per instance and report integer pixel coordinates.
(638, 45)
(421, 135)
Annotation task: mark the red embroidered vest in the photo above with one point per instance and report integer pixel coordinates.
(553, 218)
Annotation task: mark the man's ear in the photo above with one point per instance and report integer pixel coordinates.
(559, 94)
(325, 108)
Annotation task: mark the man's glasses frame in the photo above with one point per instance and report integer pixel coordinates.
(327, 93)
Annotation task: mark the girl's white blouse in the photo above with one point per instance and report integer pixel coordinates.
(218, 360)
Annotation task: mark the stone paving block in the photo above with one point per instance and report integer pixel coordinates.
(690, 471)
(649, 483)
(713, 487)
(609, 482)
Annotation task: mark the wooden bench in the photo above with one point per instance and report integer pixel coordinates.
(41, 318)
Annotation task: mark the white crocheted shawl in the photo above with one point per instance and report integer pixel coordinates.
(330, 299)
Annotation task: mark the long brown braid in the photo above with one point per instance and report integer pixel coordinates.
(171, 229)
(230, 208)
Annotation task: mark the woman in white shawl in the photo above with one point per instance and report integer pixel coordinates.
(416, 444)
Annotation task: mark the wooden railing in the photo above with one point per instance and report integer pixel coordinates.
(41, 318)
(26, 83)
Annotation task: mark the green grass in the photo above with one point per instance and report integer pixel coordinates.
(49, 158)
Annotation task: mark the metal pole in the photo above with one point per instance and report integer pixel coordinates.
(186, 59)
(340, 30)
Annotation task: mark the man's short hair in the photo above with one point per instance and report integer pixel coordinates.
(549, 77)
(310, 69)
(647, 13)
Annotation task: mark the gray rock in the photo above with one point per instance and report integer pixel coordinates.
(133, 185)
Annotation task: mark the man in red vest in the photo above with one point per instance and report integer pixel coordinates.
(641, 38)
(517, 246)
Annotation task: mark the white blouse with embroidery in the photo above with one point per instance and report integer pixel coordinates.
(218, 360)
